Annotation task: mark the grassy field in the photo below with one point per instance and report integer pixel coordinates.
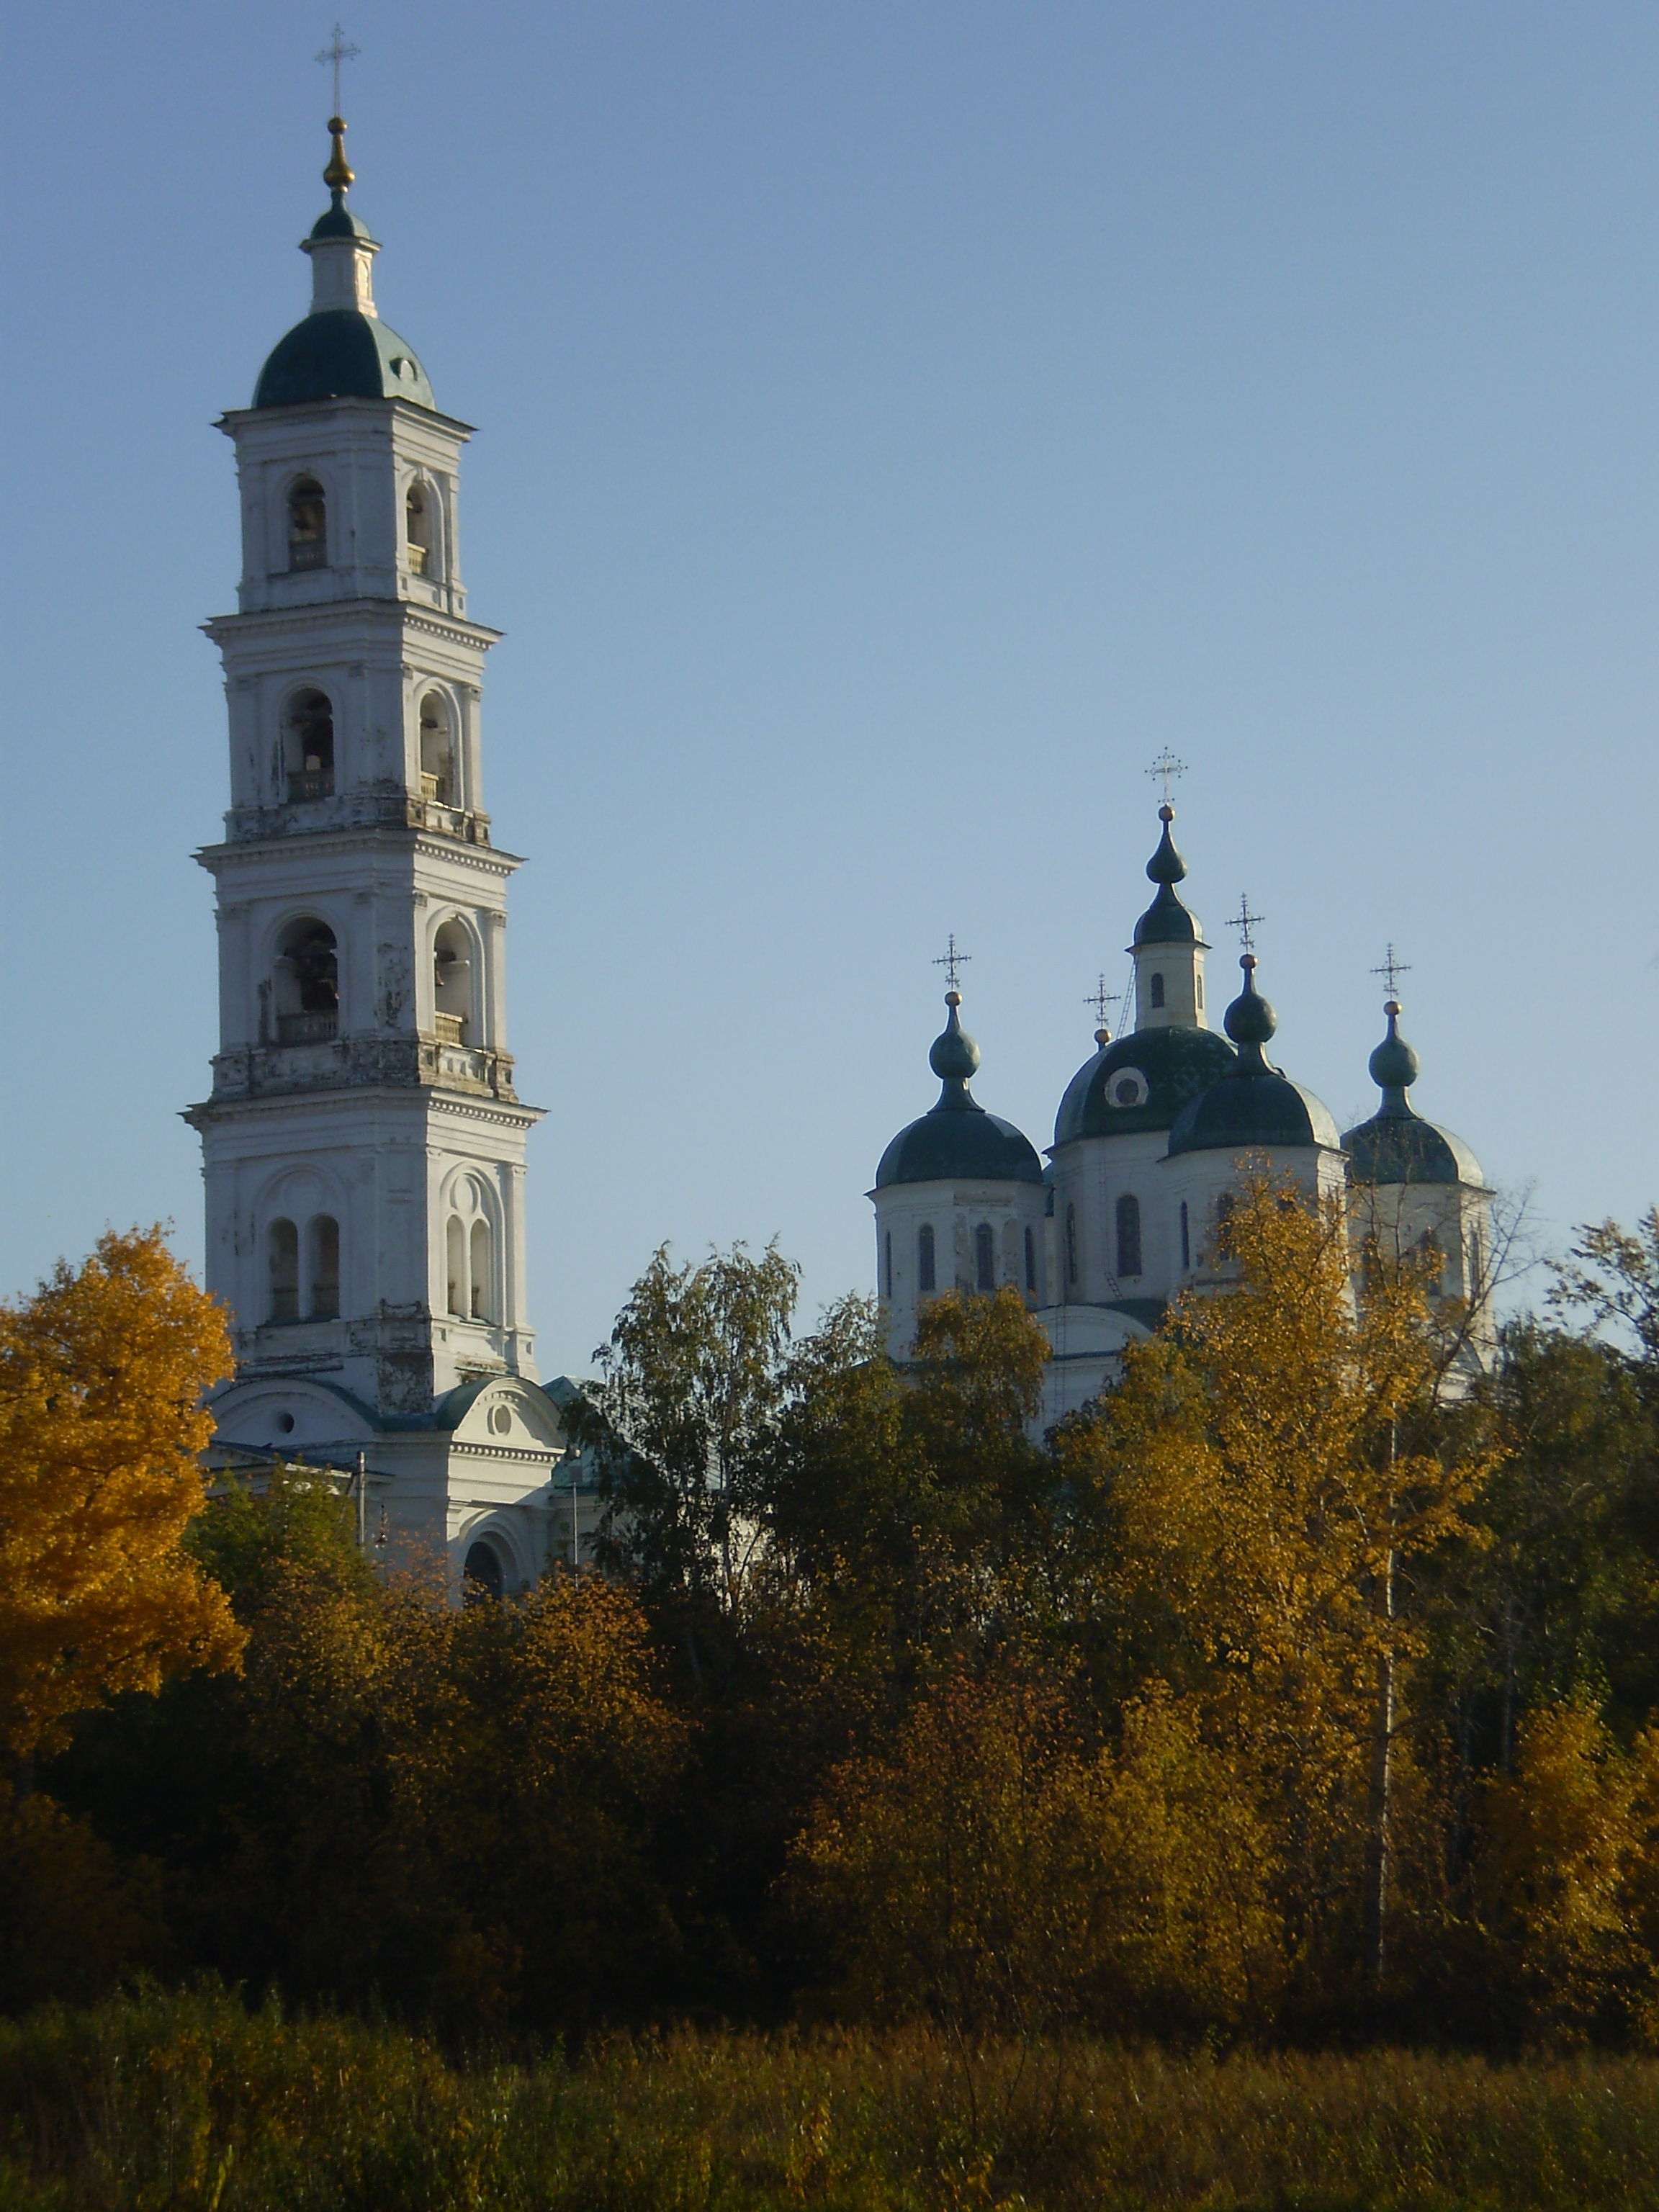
(191, 2102)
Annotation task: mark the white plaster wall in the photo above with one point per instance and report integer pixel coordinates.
(955, 1212)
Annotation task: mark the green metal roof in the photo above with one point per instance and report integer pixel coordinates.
(956, 1140)
(340, 353)
(1177, 1064)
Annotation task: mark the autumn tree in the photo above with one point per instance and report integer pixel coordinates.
(1271, 1468)
(102, 1375)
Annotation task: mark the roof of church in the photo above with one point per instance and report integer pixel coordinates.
(340, 353)
(1174, 1065)
(1397, 1145)
(956, 1140)
(1166, 921)
(1253, 1104)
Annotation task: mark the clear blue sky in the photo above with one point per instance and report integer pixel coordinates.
(897, 423)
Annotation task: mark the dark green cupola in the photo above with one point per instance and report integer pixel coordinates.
(1397, 1145)
(956, 1140)
(1252, 1107)
(342, 350)
(1166, 921)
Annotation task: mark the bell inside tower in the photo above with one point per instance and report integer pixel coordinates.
(311, 731)
(307, 525)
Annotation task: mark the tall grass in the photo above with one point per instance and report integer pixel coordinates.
(191, 2102)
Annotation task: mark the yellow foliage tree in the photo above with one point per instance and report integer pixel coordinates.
(102, 1373)
(1269, 1463)
(1569, 1874)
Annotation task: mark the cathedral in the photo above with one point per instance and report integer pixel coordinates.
(363, 1145)
(1151, 1138)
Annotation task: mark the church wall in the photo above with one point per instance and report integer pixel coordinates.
(954, 1211)
(1090, 1177)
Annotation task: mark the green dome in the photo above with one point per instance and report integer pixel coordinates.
(339, 353)
(1166, 922)
(956, 1140)
(1252, 1107)
(1397, 1145)
(1173, 1066)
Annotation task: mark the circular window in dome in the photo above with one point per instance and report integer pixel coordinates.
(285, 1423)
(1127, 1087)
(500, 1420)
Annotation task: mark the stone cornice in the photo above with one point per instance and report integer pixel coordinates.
(401, 614)
(494, 1113)
(489, 860)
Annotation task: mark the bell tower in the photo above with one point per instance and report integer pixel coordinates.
(363, 1144)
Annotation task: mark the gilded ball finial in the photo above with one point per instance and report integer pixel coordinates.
(338, 174)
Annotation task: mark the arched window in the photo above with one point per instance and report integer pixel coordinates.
(307, 525)
(1128, 1235)
(1071, 1243)
(417, 529)
(925, 1277)
(1474, 1287)
(1198, 986)
(1030, 1260)
(438, 784)
(1223, 1215)
(283, 1258)
(481, 1301)
(452, 985)
(485, 1581)
(1157, 990)
(455, 1269)
(1434, 1260)
(323, 1266)
(887, 1264)
(310, 748)
(985, 1258)
(306, 985)
(1186, 1239)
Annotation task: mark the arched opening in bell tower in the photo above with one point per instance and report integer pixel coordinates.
(452, 985)
(485, 1578)
(306, 991)
(481, 1301)
(417, 529)
(282, 1261)
(310, 747)
(438, 783)
(323, 1266)
(307, 525)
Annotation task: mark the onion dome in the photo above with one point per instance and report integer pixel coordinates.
(342, 350)
(1397, 1145)
(1140, 1081)
(1166, 922)
(956, 1140)
(1252, 1106)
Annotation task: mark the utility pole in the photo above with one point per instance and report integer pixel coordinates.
(362, 1501)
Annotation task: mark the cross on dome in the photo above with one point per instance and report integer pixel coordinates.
(1393, 970)
(1246, 924)
(1102, 1001)
(1168, 767)
(953, 962)
(340, 49)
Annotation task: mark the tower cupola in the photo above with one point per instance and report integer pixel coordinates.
(1252, 1107)
(957, 1138)
(1169, 945)
(1397, 1145)
(342, 350)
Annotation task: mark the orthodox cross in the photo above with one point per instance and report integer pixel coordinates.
(952, 962)
(340, 50)
(1245, 922)
(1394, 970)
(1101, 1000)
(1167, 765)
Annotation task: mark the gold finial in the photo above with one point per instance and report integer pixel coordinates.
(338, 175)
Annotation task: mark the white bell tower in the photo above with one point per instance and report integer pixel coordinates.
(363, 1145)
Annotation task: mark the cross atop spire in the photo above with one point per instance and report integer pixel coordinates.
(340, 49)
(1393, 970)
(953, 962)
(1168, 767)
(1101, 1000)
(1246, 924)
